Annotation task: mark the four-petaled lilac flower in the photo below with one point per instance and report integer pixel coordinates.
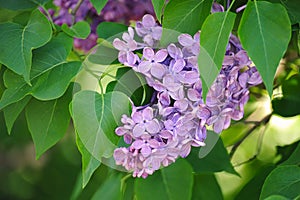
(152, 62)
(126, 48)
(145, 122)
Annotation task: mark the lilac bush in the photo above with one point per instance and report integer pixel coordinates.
(161, 132)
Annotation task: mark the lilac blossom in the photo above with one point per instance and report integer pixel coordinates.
(169, 127)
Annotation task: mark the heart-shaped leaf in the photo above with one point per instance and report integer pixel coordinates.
(49, 66)
(17, 42)
(79, 30)
(12, 112)
(283, 180)
(89, 163)
(95, 118)
(48, 121)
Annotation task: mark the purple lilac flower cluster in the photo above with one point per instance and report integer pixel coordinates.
(115, 10)
(163, 131)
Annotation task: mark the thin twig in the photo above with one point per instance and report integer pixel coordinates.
(256, 125)
(258, 149)
(74, 11)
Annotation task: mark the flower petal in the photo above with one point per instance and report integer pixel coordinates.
(138, 130)
(160, 55)
(186, 40)
(148, 53)
(148, 21)
(152, 126)
(144, 66)
(157, 70)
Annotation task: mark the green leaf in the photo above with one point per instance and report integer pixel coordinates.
(50, 85)
(132, 84)
(291, 87)
(214, 38)
(259, 27)
(21, 4)
(284, 180)
(48, 121)
(110, 189)
(54, 83)
(95, 118)
(158, 6)
(292, 7)
(288, 105)
(7, 15)
(107, 30)
(216, 157)
(206, 187)
(98, 4)
(128, 188)
(89, 163)
(105, 55)
(253, 188)
(22, 18)
(186, 16)
(79, 30)
(48, 65)
(276, 197)
(170, 183)
(12, 112)
(294, 158)
(17, 42)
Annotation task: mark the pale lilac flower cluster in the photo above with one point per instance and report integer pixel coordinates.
(115, 11)
(167, 128)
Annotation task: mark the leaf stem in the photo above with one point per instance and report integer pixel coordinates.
(74, 11)
(49, 18)
(258, 149)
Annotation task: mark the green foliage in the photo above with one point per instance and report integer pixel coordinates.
(206, 187)
(257, 29)
(284, 181)
(253, 188)
(163, 185)
(158, 6)
(12, 112)
(132, 84)
(99, 4)
(110, 189)
(89, 163)
(292, 7)
(186, 16)
(294, 158)
(216, 160)
(48, 121)
(50, 74)
(17, 53)
(95, 118)
(214, 40)
(106, 30)
(288, 105)
(276, 197)
(78, 30)
(21, 4)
